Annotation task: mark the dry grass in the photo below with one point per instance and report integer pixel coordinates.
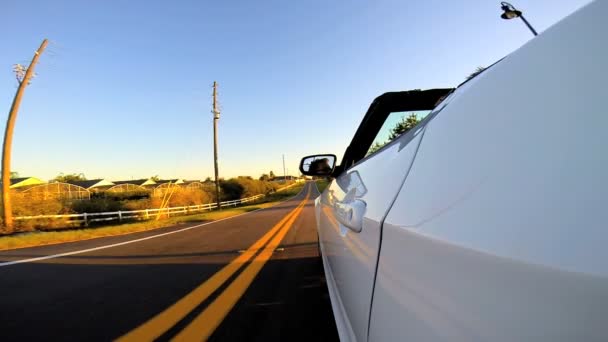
(53, 237)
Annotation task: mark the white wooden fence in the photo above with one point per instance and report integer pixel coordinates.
(144, 214)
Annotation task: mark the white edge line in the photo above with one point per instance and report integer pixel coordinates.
(22, 261)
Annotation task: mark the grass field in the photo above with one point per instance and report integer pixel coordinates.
(52, 237)
(322, 184)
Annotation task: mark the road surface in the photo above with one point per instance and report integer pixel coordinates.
(257, 276)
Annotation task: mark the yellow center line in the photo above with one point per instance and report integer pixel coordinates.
(207, 321)
(162, 322)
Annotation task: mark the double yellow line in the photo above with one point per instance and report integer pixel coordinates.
(207, 321)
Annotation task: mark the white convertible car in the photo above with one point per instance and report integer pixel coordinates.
(488, 221)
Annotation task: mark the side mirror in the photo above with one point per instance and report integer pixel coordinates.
(318, 165)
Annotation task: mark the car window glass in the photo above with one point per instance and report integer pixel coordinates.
(396, 124)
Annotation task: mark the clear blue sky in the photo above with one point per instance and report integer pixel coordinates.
(124, 89)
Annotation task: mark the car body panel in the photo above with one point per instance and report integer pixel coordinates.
(350, 258)
(430, 290)
(499, 230)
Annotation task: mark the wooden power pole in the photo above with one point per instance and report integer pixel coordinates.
(7, 209)
(216, 118)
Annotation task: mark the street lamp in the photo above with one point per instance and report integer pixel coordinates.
(511, 12)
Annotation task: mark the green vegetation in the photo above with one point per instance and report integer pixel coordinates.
(73, 177)
(284, 194)
(476, 72)
(401, 127)
(322, 184)
(245, 186)
(52, 237)
(51, 203)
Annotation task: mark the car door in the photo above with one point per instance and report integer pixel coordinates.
(350, 214)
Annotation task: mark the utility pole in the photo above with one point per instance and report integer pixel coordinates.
(216, 117)
(24, 80)
(284, 173)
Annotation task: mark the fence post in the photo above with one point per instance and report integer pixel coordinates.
(147, 215)
(119, 216)
(86, 222)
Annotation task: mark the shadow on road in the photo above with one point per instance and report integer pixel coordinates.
(138, 259)
(97, 299)
(288, 302)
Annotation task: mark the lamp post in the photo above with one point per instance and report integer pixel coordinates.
(510, 12)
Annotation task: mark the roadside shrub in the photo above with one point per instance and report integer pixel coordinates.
(231, 190)
(252, 187)
(97, 205)
(44, 224)
(184, 197)
(137, 204)
(128, 195)
(242, 187)
(189, 197)
(24, 206)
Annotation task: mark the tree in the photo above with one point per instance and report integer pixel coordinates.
(400, 127)
(477, 71)
(403, 126)
(14, 174)
(375, 147)
(73, 177)
(271, 175)
(208, 180)
(155, 178)
(264, 177)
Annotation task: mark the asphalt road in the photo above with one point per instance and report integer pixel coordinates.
(257, 276)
